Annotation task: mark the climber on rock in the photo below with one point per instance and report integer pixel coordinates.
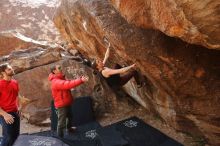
(62, 97)
(117, 76)
(9, 113)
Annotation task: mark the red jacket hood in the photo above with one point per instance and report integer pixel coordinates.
(56, 76)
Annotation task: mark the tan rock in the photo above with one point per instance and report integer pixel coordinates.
(27, 59)
(15, 41)
(196, 22)
(30, 18)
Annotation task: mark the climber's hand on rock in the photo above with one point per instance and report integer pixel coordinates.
(133, 65)
(109, 45)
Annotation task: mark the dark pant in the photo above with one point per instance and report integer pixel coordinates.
(10, 132)
(127, 76)
(64, 120)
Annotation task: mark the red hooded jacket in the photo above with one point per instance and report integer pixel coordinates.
(61, 89)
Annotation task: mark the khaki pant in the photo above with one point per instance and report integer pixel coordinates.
(64, 118)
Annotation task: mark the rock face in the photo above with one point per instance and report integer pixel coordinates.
(181, 80)
(15, 41)
(196, 22)
(30, 18)
(30, 54)
(35, 96)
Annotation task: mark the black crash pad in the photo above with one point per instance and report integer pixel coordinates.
(109, 136)
(0, 140)
(44, 133)
(81, 111)
(138, 133)
(84, 135)
(33, 140)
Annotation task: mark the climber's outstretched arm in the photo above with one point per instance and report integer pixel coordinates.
(106, 54)
(108, 72)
